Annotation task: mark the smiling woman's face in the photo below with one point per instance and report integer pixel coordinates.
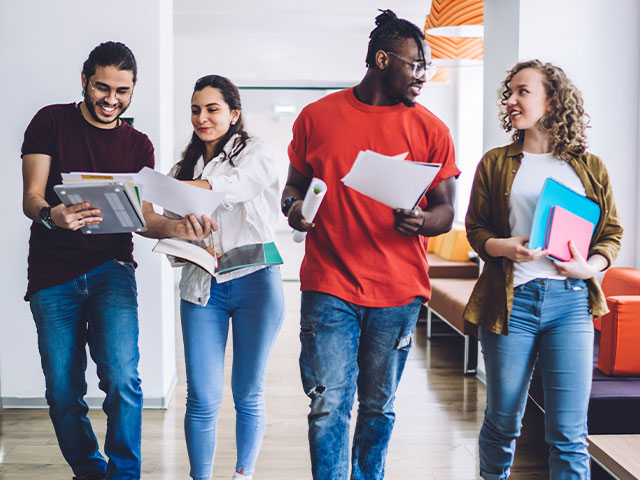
(211, 116)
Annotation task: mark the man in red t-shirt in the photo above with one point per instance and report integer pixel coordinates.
(364, 273)
(82, 288)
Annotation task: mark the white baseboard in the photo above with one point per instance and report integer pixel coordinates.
(150, 403)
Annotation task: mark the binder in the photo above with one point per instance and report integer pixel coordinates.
(562, 227)
(118, 202)
(555, 193)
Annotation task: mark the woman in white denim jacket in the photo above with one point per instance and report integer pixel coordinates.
(222, 157)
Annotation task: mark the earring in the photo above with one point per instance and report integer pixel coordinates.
(233, 122)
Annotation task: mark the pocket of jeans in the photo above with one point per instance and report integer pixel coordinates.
(128, 266)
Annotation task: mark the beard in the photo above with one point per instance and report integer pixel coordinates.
(91, 108)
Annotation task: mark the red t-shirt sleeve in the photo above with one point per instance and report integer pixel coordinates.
(443, 152)
(298, 147)
(39, 136)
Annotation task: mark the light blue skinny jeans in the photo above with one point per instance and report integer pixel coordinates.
(550, 320)
(255, 305)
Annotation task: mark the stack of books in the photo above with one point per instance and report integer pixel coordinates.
(115, 194)
(563, 215)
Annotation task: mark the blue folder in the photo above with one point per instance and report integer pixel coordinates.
(555, 193)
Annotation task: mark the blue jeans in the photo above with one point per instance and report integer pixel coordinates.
(345, 346)
(256, 305)
(99, 308)
(550, 320)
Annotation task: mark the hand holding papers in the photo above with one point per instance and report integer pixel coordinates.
(312, 200)
(393, 181)
(175, 195)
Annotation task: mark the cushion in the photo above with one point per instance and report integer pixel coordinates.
(620, 337)
(619, 281)
(449, 296)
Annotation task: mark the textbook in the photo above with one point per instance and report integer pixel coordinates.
(562, 227)
(556, 194)
(118, 201)
(254, 254)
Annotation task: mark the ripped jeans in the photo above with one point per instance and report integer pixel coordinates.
(345, 346)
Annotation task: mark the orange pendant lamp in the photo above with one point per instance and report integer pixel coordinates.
(454, 31)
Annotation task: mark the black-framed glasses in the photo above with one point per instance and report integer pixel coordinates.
(102, 91)
(419, 68)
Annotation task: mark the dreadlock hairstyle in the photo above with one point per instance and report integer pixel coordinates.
(566, 121)
(389, 32)
(196, 147)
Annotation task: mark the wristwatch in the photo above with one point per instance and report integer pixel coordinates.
(286, 205)
(45, 218)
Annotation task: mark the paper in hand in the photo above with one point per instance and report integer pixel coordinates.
(393, 181)
(177, 196)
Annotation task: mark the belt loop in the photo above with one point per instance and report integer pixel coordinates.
(567, 284)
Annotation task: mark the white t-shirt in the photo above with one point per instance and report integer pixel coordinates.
(525, 192)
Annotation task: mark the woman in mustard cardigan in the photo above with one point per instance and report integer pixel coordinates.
(526, 304)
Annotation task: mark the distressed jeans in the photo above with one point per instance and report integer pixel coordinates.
(100, 309)
(345, 346)
(550, 319)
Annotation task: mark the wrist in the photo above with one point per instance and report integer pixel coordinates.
(45, 218)
(288, 203)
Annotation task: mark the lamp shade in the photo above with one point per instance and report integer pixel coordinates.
(454, 30)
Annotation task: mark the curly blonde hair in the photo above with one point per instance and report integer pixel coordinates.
(565, 123)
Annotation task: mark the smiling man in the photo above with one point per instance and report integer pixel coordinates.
(364, 273)
(82, 288)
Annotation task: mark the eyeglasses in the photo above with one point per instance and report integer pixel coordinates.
(122, 94)
(419, 68)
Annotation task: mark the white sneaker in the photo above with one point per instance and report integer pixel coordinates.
(239, 476)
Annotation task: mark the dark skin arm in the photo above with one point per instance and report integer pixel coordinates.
(296, 186)
(436, 219)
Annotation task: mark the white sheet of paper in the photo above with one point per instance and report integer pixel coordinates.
(393, 181)
(177, 196)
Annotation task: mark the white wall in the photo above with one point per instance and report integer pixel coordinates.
(598, 46)
(43, 47)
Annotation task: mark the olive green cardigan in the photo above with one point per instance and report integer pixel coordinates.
(488, 217)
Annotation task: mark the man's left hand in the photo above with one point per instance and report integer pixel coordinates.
(408, 222)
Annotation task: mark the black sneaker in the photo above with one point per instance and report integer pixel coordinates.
(91, 476)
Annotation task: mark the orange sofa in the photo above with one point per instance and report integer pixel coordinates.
(620, 328)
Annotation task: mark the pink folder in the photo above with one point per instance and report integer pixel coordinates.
(563, 226)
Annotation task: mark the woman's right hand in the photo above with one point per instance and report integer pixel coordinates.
(189, 228)
(514, 249)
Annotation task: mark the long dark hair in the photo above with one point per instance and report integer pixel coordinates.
(196, 147)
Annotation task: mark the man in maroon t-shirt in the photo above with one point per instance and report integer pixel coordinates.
(82, 288)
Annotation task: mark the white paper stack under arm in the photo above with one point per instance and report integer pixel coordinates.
(312, 201)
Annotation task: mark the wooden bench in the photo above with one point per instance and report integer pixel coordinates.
(449, 296)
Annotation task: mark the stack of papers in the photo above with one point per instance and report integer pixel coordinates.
(394, 181)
